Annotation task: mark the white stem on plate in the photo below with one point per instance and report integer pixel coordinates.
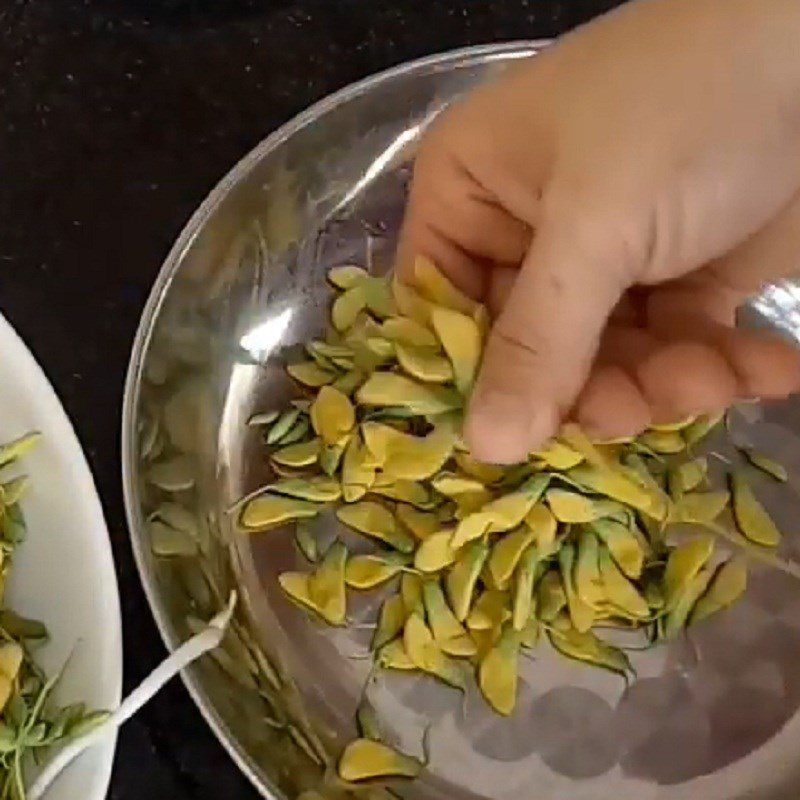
(207, 639)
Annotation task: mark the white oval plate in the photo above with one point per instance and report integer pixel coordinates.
(64, 571)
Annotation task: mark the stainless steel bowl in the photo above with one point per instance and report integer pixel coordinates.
(711, 716)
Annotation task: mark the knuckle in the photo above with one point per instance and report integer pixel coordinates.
(599, 228)
(513, 347)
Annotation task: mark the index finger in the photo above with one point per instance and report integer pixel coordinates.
(458, 213)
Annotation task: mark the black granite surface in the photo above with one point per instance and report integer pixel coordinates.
(116, 118)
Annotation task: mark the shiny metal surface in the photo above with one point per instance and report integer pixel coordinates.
(711, 716)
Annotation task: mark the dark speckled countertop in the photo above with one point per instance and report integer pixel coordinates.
(116, 118)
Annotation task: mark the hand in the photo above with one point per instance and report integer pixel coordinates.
(613, 201)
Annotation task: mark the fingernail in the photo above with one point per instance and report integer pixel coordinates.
(501, 429)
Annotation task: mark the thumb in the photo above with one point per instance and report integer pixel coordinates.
(542, 345)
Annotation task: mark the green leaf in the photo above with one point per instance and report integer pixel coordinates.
(87, 723)
(36, 735)
(8, 738)
(13, 527)
(11, 451)
(20, 627)
(16, 712)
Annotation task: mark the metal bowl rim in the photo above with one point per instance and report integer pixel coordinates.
(465, 55)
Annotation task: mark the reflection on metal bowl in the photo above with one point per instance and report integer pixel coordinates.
(711, 717)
